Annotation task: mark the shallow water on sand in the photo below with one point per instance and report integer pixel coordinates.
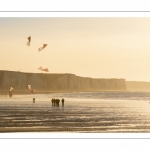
(106, 112)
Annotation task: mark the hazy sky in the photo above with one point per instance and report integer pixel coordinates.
(88, 47)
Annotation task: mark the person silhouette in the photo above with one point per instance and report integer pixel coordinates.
(58, 102)
(52, 102)
(33, 100)
(62, 102)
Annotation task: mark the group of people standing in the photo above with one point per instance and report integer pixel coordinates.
(55, 102)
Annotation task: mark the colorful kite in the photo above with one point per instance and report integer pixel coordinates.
(46, 69)
(29, 40)
(32, 91)
(41, 48)
(10, 93)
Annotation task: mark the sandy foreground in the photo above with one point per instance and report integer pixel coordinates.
(20, 114)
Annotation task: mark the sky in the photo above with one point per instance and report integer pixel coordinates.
(88, 47)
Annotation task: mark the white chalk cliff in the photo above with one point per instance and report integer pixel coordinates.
(57, 82)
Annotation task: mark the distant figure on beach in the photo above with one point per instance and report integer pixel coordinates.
(62, 102)
(33, 100)
(55, 102)
(52, 102)
(58, 102)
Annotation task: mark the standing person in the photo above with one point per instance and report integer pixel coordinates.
(58, 102)
(62, 102)
(52, 102)
(33, 100)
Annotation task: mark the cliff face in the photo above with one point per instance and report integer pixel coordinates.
(138, 85)
(56, 82)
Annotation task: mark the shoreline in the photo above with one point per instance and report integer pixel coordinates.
(52, 92)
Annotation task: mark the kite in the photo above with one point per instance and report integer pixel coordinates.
(28, 43)
(10, 94)
(46, 69)
(40, 68)
(32, 91)
(41, 48)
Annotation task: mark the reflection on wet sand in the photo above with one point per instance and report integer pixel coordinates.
(21, 115)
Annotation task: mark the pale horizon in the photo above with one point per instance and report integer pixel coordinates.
(88, 47)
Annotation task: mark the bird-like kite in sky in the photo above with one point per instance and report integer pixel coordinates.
(40, 68)
(29, 40)
(41, 48)
(32, 91)
(46, 69)
(10, 93)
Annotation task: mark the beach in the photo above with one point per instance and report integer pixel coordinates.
(91, 115)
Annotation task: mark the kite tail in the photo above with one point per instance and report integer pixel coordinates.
(28, 44)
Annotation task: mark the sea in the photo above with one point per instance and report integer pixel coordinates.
(83, 112)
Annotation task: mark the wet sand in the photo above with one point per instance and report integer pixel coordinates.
(20, 114)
